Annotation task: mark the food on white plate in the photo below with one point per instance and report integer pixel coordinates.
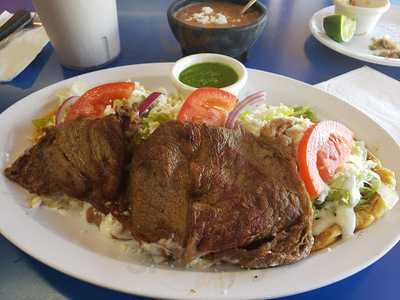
(207, 179)
(385, 46)
(347, 184)
(220, 194)
(339, 27)
(83, 159)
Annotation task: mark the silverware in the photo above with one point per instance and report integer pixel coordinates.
(248, 5)
(21, 21)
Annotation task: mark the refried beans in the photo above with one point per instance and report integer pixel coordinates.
(216, 14)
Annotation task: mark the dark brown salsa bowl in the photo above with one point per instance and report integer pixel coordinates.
(232, 41)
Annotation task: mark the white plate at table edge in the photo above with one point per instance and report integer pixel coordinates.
(318, 32)
(38, 239)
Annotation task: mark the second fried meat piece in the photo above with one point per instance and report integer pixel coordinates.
(82, 158)
(221, 193)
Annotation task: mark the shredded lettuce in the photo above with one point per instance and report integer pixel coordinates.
(62, 94)
(166, 108)
(76, 89)
(351, 182)
(138, 95)
(44, 122)
(268, 113)
(354, 184)
(302, 117)
(304, 112)
(341, 196)
(367, 192)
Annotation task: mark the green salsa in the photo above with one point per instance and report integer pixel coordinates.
(209, 74)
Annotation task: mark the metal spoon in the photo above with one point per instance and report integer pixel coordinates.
(248, 5)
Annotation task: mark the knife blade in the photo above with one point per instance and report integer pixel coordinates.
(19, 20)
(18, 23)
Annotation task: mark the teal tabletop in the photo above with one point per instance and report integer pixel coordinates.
(286, 47)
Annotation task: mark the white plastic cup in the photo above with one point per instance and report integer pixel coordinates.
(366, 17)
(84, 34)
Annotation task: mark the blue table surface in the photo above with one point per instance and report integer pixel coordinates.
(286, 47)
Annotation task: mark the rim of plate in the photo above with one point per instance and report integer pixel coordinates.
(87, 277)
(341, 48)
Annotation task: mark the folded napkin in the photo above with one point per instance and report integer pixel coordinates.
(372, 92)
(21, 50)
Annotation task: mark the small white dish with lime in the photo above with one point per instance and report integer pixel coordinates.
(340, 35)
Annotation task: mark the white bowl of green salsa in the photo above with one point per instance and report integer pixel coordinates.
(209, 70)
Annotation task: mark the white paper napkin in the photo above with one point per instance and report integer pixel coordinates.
(377, 94)
(21, 50)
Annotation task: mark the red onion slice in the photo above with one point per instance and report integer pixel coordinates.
(253, 99)
(148, 102)
(63, 109)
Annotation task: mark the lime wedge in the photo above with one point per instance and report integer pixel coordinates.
(339, 27)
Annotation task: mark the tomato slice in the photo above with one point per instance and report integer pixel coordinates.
(91, 104)
(207, 105)
(321, 151)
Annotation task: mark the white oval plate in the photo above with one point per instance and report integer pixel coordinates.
(60, 242)
(358, 46)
